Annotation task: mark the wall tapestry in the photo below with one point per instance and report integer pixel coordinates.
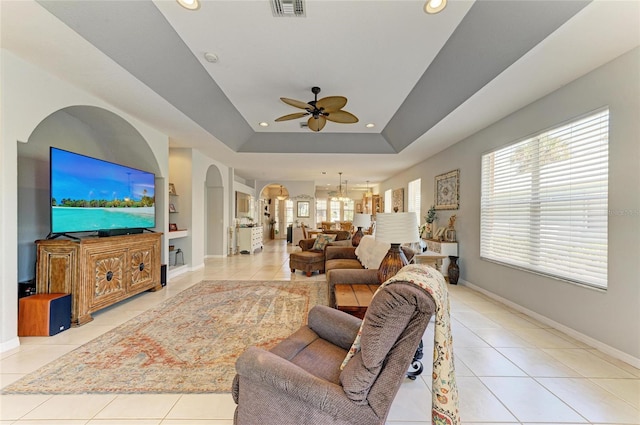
(446, 191)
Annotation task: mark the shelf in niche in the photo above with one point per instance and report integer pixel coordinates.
(178, 234)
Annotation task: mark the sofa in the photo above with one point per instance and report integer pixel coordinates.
(356, 265)
(309, 259)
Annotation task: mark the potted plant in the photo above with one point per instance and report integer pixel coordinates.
(426, 230)
(272, 228)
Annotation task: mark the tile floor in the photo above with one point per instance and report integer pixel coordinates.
(511, 369)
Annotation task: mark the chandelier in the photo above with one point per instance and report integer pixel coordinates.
(368, 193)
(282, 196)
(341, 197)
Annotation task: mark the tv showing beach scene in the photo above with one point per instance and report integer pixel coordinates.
(89, 194)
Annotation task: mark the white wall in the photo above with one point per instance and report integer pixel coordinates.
(611, 318)
(201, 230)
(29, 96)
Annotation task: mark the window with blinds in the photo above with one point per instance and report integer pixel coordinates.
(387, 201)
(288, 212)
(544, 204)
(321, 211)
(347, 210)
(334, 210)
(413, 200)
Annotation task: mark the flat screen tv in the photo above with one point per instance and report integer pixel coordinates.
(89, 194)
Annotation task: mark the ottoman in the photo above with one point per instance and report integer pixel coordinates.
(307, 261)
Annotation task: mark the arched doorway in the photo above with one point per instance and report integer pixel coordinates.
(214, 214)
(277, 210)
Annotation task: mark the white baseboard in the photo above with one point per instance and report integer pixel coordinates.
(177, 271)
(613, 352)
(9, 345)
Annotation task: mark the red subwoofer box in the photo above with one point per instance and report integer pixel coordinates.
(44, 314)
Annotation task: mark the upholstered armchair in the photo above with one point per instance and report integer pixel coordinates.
(300, 382)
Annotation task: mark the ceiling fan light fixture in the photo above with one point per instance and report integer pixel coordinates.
(320, 111)
(189, 4)
(435, 6)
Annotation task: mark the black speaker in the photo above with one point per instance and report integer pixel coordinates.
(163, 274)
(119, 232)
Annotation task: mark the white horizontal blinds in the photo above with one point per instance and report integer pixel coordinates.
(544, 202)
(388, 203)
(413, 201)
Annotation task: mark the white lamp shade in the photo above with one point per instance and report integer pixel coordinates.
(361, 220)
(397, 227)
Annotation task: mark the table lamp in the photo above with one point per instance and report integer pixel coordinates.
(360, 221)
(396, 229)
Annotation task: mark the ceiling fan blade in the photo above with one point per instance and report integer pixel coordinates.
(292, 116)
(332, 103)
(343, 117)
(295, 103)
(316, 124)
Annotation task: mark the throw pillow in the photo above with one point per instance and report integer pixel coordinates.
(322, 240)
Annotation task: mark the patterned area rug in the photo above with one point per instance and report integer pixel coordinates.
(188, 344)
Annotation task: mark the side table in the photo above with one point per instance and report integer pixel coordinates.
(441, 248)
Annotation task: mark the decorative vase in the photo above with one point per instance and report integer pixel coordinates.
(453, 270)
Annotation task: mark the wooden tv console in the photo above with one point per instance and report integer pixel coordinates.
(98, 272)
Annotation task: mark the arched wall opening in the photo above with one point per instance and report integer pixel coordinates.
(87, 130)
(214, 213)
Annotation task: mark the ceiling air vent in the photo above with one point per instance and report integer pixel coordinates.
(286, 8)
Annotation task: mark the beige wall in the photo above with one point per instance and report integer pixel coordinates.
(611, 318)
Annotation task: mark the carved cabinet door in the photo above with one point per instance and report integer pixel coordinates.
(141, 268)
(107, 273)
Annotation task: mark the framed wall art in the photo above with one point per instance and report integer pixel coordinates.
(397, 200)
(303, 209)
(447, 191)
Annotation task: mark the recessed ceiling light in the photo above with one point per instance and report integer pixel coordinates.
(370, 125)
(434, 6)
(264, 124)
(189, 4)
(211, 57)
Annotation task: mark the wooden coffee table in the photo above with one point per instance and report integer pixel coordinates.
(354, 299)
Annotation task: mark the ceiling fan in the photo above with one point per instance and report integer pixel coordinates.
(327, 108)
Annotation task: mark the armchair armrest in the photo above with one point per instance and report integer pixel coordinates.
(340, 252)
(335, 326)
(306, 244)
